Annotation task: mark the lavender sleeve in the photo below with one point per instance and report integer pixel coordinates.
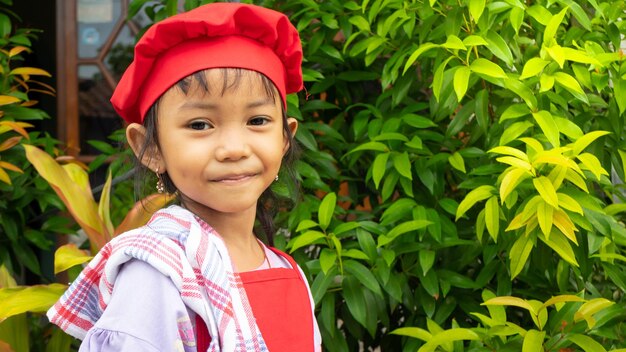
(145, 313)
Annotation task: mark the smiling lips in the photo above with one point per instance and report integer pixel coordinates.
(234, 178)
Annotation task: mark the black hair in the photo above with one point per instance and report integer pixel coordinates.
(269, 202)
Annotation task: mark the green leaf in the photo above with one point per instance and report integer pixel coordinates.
(402, 164)
(327, 209)
(544, 217)
(401, 229)
(360, 22)
(461, 81)
(569, 203)
(487, 68)
(517, 87)
(455, 334)
(548, 126)
(515, 130)
(619, 89)
(586, 343)
(353, 295)
(476, 195)
(476, 8)
(305, 239)
(327, 259)
(375, 146)
(68, 256)
(583, 142)
(419, 51)
(379, 167)
(559, 243)
(474, 40)
(363, 275)
(453, 42)
(546, 190)
(592, 164)
(518, 255)
(457, 162)
(552, 27)
(511, 180)
(514, 111)
(516, 18)
(426, 259)
(417, 333)
(499, 47)
(492, 217)
(533, 67)
(571, 84)
(37, 299)
(533, 341)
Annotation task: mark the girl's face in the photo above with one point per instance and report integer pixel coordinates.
(221, 147)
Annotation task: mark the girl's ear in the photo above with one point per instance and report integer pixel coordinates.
(151, 158)
(292, 124)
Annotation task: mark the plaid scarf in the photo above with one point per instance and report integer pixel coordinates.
(187, 250)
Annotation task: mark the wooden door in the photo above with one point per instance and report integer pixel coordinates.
(94, 46)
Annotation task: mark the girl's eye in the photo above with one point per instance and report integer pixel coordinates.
(199, 125)
(258, 121)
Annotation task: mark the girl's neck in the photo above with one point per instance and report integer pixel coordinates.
(236, 230)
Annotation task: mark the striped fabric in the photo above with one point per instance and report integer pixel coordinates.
(189, 252)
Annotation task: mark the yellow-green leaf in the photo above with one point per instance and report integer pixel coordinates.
(583, 142)
(30, 71)
(587, 343)
(510, 301)
(510, 181)
(569, 203)
(37, 299)
(546, 122)
(591, 163)
(533, 67)
(474, 40)
(457, 162)
(571, 84)
(562, 221)
(509, 151)
(561, 246)
(461, 81)
(556, 53)
(4, 177)
(533, 341)
(546, 190)
(576, 179)
(9, 166)
(68, 256)
(476, 8)
(518, 255)
(448, 336)
(552, 27)
(562, 299)
(453, 42)
(83, 208)
(575, 55)
(17, 50)
(492, 217)
(544, 217)
(476, 195)
(8, 99)
(417, 333)
(419, 51)
(588, 309)
(104, 204)
(518, 163)
(546, 82)
(488, 68)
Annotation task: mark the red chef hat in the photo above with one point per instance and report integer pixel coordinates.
(218, 35)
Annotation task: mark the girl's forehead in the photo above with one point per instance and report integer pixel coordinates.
(218, 81)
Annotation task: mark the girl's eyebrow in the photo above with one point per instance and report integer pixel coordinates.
(210, 106)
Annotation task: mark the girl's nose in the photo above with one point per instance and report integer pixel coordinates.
(232, 146)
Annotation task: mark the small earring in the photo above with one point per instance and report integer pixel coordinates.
(160, 186)
(276, 179)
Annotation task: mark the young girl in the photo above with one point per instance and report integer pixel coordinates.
(205, 102)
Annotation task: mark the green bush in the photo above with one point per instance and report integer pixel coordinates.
(459, 157)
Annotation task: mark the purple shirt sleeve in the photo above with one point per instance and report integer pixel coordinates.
(145, 313)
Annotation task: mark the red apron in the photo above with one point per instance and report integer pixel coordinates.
(280, 302)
